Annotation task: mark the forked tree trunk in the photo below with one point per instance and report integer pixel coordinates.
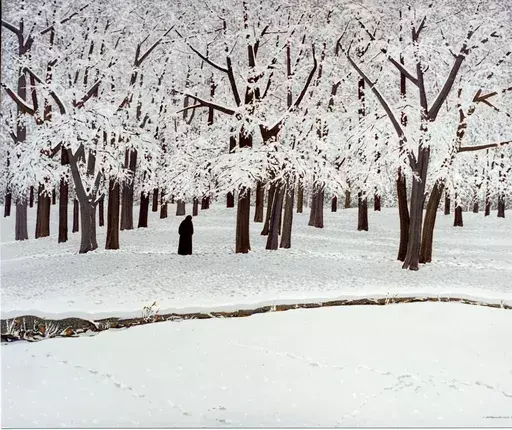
(31, 197)
(101, 211)
(230, 200)
(300, 198)
(143, 210)
(403, 212)
(430, 222)
(163, 205)
(457, 218)
(286, 237)
(362, 212)
(180, 208)
(376, 203)
(154, 208)
(63, 211)
(334, 204)
(270, 202)
(242, 239)
(501, 206)
(113, 209)
(447, 203)
(347, 199)
(76, 215)
(260, 197)
(205, 203)
(275, 219)
(88, 220)
(20, 226)
(43, 213)
(54, 196)
(195, 207)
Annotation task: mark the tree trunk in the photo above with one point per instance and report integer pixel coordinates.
(154, 208)
(347, 199)
(31, 197)
(275, 219)
(195, 207)
(501, 206)
(243, 239)
(286, 237)
(76, 211)
(403, 211)
(260, 197)
(376, 203)
(163, 205)
(457, 221)
(487, 206)
(270, 202)
(362, 212)
(88, 219)
(205, 203)
(316, 216)
(54, 196)
(447, 203)
(143, 210)
(334, 204)
(430, 222)
(230, 200)
(43, 213)
(300, 198)
(476, 207)
(63, 211)
(180, 208)
(20, 227)
(101, 211)
(8, 203)
(128, 190)
(113, 206)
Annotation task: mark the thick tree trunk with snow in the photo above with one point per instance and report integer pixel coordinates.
(270, 202)
(376, 203)
(242, 240)
(457, 218)
(501, 206)
(260, 197)
(63, 211)
(195, 207)
(205, 203)
(20, 226)
(403, 211)
(43, 213)
(286, 237)
(334, 204)
(88, 219)
(163, 205)
(154, 207)
(76, 215)
(430, 222)
(347, 199)
(362, 212)
(275, 219)
(316, 216)
(180, 208)
(113, 209)
(300, 198)
(230, 200)
(143, 210)
(447, 203)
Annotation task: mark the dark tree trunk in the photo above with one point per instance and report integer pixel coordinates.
(143, 210)
(172, 199)
(334, 204)
(43, 213)
(316, 216)
(8, 203)
(76, 212)
(205, 203)
(20, 227)
(101, 211)
(195, 207)
(286, 237)
(487, 211)
(31, 197)
(54, 197)
(403, 211)
(88, 219)
(260, 197)
(362, 212)
(457, 219)
(230, 200)
(347, 199)
(180, 208)
(275, 219)
(113, 209)
(501, 206)
(300, 198)
(128, 190)
(430, 222)
(154, 208)
(476, 207)
(163, 205)
(376, 203)
(447, 203)
(63, 211)
(270, 202)
(243, 239)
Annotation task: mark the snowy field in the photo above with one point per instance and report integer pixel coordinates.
(45, 278)
(424, 364)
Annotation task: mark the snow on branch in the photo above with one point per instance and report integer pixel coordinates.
(209, 104)
(487, 146)
(11, 27)
(52, 93)
(22, 104)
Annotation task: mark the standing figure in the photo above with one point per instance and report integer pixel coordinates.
(186, 231)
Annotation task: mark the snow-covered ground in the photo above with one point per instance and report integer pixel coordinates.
(424, 364)
(45, 278)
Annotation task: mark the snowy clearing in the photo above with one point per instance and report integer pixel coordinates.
(44, 278)
(428, 364)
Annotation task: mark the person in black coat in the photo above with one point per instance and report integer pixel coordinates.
(186, 231)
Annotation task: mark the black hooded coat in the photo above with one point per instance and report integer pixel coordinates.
(186, 231)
